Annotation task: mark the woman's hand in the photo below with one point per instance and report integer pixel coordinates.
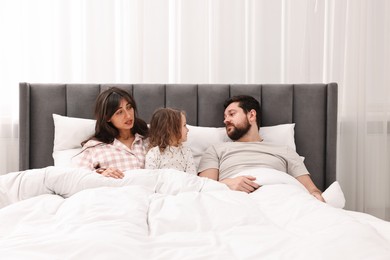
(111, 172)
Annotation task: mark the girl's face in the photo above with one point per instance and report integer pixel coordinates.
(184, 129)
(123, 118)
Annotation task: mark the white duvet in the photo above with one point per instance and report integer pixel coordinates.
(167, 214)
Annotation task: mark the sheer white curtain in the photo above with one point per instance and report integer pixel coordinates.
(215, 41)
(364, 144)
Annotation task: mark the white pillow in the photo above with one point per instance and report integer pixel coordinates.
(69, 132)
(64, 157)
(279, 134)
(282, 134)
(200, 138)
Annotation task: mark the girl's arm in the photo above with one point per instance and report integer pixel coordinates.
(152, 159)
(190, 163)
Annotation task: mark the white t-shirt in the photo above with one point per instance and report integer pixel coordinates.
(178, 158)
(233, 157)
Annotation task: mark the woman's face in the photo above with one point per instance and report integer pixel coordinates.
(184, 129)
(123, 118)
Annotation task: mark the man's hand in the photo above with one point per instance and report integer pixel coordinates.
(318, 195)
(310, 186)
(242, 183)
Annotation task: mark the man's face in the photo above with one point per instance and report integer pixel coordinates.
(236, 121)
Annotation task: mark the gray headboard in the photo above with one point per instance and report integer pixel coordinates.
(312, 107)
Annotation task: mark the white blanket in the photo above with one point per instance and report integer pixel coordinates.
(166, 214)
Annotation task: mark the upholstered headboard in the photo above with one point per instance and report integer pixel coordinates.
(312, 107)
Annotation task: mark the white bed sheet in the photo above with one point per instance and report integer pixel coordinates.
(164, 214)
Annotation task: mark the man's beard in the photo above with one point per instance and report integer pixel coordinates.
(239, 131)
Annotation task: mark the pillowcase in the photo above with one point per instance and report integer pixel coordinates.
(69, 132)
(279, 134)
(282, 134)
(199, 138)
(64, 157)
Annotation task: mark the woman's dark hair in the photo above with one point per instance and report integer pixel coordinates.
(165, 128)
(107, 103)
(247, 103)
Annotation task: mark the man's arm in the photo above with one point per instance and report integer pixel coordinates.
(310, 186)
(241, 183)
(210, 173)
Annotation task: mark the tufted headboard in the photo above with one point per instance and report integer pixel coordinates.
(312, 107)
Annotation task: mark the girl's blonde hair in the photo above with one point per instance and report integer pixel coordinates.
(165, 128)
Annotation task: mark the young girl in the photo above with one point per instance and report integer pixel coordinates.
(168, 130)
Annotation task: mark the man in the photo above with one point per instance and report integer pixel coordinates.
(222, 162)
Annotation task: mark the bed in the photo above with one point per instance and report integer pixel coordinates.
(51, 210)
(312, 107)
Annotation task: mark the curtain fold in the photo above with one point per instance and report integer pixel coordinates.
(215, 41)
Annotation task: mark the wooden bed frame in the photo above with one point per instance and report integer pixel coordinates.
(312, 107)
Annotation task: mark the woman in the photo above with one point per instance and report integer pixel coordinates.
(119, 140)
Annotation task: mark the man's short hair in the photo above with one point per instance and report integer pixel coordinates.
(247, 103)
